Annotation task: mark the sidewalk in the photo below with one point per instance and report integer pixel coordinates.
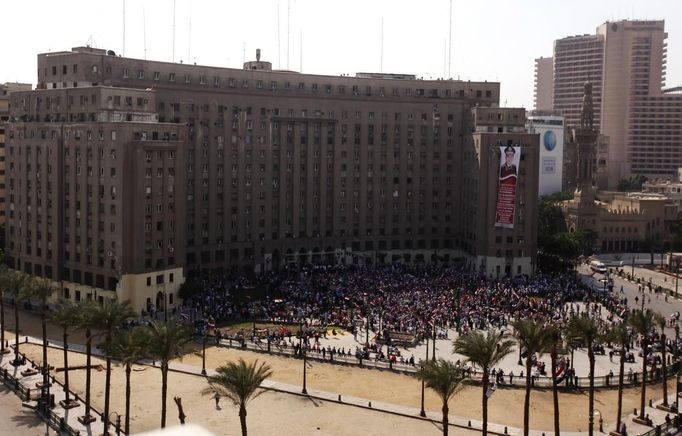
(71, 415)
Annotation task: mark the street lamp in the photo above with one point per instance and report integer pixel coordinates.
(203, 354)
(304, 391)
(118, 423)
(633, 268)
(677, 362)
(422, 412)
(601, 421)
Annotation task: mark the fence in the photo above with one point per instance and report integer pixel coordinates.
(537, 381)
(671, 427)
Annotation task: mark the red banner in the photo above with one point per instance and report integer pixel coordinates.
(510, 158)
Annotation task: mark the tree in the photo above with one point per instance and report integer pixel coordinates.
(42, 290)
(660, 322)
(583, 330)
(129, 347)
(532, 336)
(555, 342)
(164, 343)
(65, 315)
(189, 288)
(110, 316)
(86, 321)
(4, 279)
(443, 377)
(634, 183)
(676, 231)
(620, 335)
(485, 350)
(17, 284)
(642, 321)
(238, 382)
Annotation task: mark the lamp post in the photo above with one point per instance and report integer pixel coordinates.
(601, 421)
(203, 354)
(433, 353)
(677, 362)
(422, 412)
(304, 391)
(118, 422)
(633, 267)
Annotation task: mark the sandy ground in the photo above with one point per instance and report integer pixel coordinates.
(18, 421)
(293, 415)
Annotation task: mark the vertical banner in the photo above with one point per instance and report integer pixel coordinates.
(510, 157)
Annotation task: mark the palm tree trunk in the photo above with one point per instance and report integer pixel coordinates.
(590, 356)
(446, 422)
(526, 401)
(484, 400)
(242, 418)
(164, 392)
(555, 390)
(127, 424)
(664, 367)
(642, 402)
(620, 384)
(88, 355)
(2, 323)
(16, 331)
(66, 365)
(107, 384)
(46, 368)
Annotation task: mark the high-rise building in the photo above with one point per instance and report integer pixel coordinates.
(5, 90)
(626, 63)
(126, 174)
(544, 84)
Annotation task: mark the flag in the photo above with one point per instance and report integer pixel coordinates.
(491, 390)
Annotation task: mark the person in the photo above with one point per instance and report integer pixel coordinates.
(623, 429)
(508, 169)
(216, 397)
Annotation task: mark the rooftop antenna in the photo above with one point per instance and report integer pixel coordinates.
(288, 30)
(450, 41)
(174, 4)
(300, 68)
(279, 41)
(381, 66)
(144, 32)
(244, 52)
(189, 33)
(123, 52)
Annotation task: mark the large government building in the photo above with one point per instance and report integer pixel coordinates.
(126, 175)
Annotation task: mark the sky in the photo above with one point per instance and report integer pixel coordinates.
(494, 40)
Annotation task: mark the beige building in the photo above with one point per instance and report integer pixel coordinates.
(126, 175)
(5, 90)
(641, 121)
(544, 84)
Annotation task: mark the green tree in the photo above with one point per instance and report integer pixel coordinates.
(189, 288)
(238, 382)
(65, 315)
(676, 231)
(532, 336)
(129, 347)
(86, 321)
(443, 377)
(165, 342)
(42, 290)
(584, 330)
(17, 282)
(642, 322)
(619, 334)
(110, 316)
(485, 350)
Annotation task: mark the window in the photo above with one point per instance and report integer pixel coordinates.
(159, 279)
(171, 77)
(157, 75)
(125, 73)
(140, 74)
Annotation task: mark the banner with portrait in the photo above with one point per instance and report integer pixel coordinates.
(510, 158)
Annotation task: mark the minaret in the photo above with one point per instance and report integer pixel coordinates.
(585, 138)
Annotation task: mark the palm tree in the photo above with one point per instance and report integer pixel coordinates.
(621, 336)
(532, 336)
(42, 289)
(555, 342)
(584, 330)
(238, 382)
(165, 341)
(485, 350)
(65, 315)
(660, 322)
(4, 275)
(642, 321)
(109, 317)
(443, 377)
(129, 347)
(86, 321)
(17, 285)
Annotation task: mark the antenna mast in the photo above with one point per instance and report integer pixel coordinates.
(450, 43)
(279, 41)
(144, 32)
(381, 67)
(189, 34)
(300, 69)
(174, 4)
(288, 29)
(123, 53)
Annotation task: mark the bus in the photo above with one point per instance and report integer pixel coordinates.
(598, 267)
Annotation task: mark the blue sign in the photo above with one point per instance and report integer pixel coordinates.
(549, 139)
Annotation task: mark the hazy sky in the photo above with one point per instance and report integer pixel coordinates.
(493, 40)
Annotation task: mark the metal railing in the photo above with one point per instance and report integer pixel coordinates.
(515, 380)
(674, 425)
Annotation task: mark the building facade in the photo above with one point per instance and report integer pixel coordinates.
(544, 84)
(222, 168)
(551, 159)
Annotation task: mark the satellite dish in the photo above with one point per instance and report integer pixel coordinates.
(111, 53)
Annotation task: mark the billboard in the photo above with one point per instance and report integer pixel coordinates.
(551, 131)
(510, 159)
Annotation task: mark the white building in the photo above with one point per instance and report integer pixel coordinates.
(551, 130)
